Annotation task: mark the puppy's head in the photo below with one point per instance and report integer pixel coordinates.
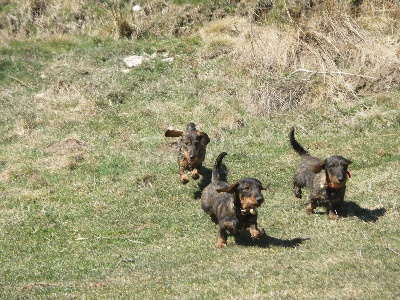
(248, 191)
(190, 142)
(335, 168)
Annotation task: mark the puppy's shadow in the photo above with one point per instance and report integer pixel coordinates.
(350, 209)
(245, 239)
(205, 179)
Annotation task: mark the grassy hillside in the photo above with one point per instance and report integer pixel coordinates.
(90, 201)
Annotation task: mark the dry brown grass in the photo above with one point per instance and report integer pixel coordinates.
(326, 57)
(327, 53)
(307, 55)
(106, 18)
(44, 18)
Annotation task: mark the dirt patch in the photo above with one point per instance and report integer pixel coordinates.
(66, 154)
(65, 147)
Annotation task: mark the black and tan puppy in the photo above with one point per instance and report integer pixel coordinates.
(233, 207)
(192, 151)
(326, 178)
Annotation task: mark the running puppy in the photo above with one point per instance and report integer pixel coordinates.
(232, 207)
(192, 151)
(325, 178)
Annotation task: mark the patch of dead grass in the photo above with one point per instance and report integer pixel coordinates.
(66, 146)
(68, 153)
(328, 57)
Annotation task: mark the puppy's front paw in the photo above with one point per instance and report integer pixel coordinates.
(184, 179)
(221, 243)
(333, 215)
(261, 233)
(195, 174)
(257, 234)
(309, 209)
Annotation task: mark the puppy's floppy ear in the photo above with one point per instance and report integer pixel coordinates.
(316, 168)
(205, 137)
(349, 162)
(173, 133)
(229, 189)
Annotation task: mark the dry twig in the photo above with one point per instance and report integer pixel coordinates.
(393, 251)
(20, 81)
(331, 73)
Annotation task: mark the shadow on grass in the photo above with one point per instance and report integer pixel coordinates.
(352, 209)
(205, 179)
(268, 241)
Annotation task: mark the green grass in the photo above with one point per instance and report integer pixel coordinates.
(90, 201)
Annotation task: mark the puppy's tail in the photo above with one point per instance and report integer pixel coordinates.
(191, 127)
(217, 166)
(295, 144)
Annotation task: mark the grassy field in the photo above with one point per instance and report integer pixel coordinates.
(91, 206)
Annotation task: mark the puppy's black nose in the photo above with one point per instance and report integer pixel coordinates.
(260, 199)
(192, 154)
(340, 178)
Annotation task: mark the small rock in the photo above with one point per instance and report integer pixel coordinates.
(136, 8)
(134, 60)
(168, 59)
